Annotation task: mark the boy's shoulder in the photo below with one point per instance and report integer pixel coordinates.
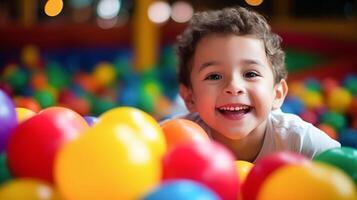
(279, 119)
(295, 134)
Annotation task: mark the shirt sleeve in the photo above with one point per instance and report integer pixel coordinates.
(316, 141)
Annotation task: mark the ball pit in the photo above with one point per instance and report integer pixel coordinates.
(109, 158)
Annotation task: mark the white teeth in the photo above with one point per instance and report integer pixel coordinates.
(235, 108)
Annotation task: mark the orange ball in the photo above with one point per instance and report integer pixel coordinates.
(27, 102)
(329, 130)
(39, 81)
(179, 131)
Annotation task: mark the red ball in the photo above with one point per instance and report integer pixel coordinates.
(264, 167)
(209, 163)
(34, 143)
(310, 116)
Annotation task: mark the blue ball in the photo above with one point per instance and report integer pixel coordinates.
(348, 137)
(182, 189)
(91, 120)
(293, 105)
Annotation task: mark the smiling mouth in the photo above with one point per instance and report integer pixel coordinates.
(234, 111)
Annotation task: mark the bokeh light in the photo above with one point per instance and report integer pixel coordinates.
(159, 12)
(254, 2)
(53, 7)
(181, 12)
(108, 9)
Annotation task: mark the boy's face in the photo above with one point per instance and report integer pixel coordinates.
(233, 86)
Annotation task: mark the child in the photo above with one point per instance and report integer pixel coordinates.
(232, 80)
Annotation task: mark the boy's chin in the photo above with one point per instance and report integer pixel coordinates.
(234, 135)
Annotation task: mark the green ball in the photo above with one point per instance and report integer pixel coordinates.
(99, 106)
(44, 98)
(351, 85)
(344, 158)
(336, 120)
(18, 79)
(57, 76)
(4, 171)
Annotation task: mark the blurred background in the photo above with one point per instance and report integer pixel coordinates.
(93, 55)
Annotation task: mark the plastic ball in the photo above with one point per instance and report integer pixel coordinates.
(243, 168)
(313, 181)
(329, 130)
(312, 99)
(293, 105)
(309, 116)
(4, 170)
(352, 110)
(107, 162)
(18, 79)
(208, 163)
(27, 102)
(339, 100)
(350, 83)
(23, 114)
(328, 85)
(8, 120)
(104, 73)
(38, 81)
(296, 88)
(312, 84)
(91, 120)
(336, 120)
(34, 143)
(57, 77)
(348, 138)
(28, 189)
(181, 189)
(266, 166)
(144, 125)
(30, 56)
(45, 98)
(344, 158)
(87, 82)
(179, 131)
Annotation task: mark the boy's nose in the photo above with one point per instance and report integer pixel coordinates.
(234, 89)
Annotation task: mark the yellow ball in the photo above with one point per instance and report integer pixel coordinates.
(104, 73)
(106, 162)
(145, 126)
(315, 181)
(30, 55)
(339, 100)
(26, 188)
(23, 114)
(243, 168)
(312, 99)
(296, 88)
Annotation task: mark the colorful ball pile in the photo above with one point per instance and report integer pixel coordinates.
(126, 154)
(88, 83)
(328, 104)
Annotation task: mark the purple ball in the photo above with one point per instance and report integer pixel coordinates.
(8, 120)
(90, 120)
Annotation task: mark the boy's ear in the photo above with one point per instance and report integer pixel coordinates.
(281, 90)
(186, 94)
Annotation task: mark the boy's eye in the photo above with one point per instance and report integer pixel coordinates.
(251, 74)
(213, 77)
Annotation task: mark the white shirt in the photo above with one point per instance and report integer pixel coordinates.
(286, 132)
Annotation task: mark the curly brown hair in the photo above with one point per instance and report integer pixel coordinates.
(238, 21)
